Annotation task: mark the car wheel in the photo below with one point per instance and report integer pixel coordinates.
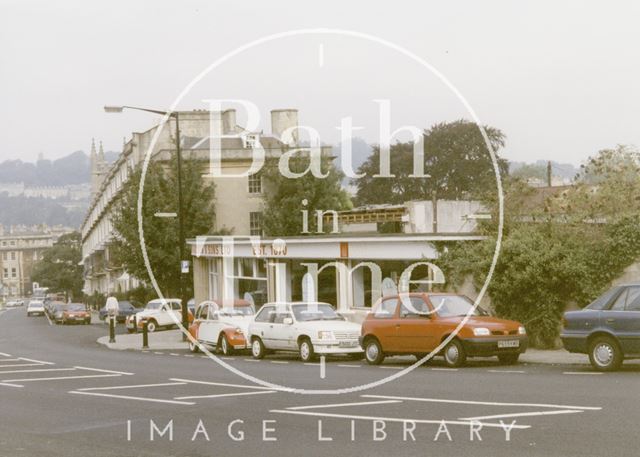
(193, 347)
(508, 359)
(28, 314)
(152, 326)
(604, 354)
(454, 354)
(373, 352)
(257, 348)
(306, 350)
(224, 345)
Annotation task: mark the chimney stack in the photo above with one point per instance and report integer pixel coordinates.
(283, 119)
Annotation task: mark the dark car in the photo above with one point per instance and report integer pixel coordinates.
(608, 329)
(125, 309)
(56, 309)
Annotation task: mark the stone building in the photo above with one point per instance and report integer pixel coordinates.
(239, 200)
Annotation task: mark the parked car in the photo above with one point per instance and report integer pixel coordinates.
(57, 309)
(125, 309)
(35, 307)
(418, 323)
(309, 329)
(49, 307)
(14, 303)
(608, 329)
(224, 327)
(158, 314)
(76, 313)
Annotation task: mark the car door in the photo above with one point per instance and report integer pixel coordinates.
(386, 324)
(202, 320)
(416, 332)
(261, 325)
(623, 319)
(279, 332)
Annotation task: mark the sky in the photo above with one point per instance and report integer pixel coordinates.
(559, 78)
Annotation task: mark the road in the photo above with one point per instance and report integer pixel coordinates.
(62, 394)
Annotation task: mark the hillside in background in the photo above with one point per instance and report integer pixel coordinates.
(71, 169)
(538, 169)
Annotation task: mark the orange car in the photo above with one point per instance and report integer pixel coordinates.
(417, 323)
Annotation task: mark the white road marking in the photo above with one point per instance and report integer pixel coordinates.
(105, 371)
(229, 358)
(582, 372)
(189, 355)
(38, 361)
(37, 370)
(533, 413)
(251, 360)
(339, 405)
(349, 366)
(61, 377)
(236, 394)
(10, 360)
(506, 371)
(174, 354)
(222, 384)
(159, 353)
(391, 368)
(47, 316)
(311, 364)
(4, 354)
(444, 369)
(487, 403)
(134, 386)
(323, 370)
(394, 419)
(8, 384)
(279, 361)
(127, 397)
(166, 215)
(13, 365)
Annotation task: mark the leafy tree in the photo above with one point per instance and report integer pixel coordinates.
(284, 197)
(456, 159)
(161, 235)
(59, 270)
(560, 250)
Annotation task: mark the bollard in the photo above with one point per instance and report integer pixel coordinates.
(135, 323)
(112, 330)
(145, 336)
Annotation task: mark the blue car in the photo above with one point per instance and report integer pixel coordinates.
(608, 329)
(125, 308)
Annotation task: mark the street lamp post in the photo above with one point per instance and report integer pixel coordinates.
(181, 241)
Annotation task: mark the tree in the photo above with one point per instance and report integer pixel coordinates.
(59, 270)
(284, 197)
(161, 235)
(564, 249)
(456, 158)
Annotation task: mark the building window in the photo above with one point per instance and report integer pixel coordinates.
(255, 223)
(6, 272)
(13, 273)
(255, 183)
(13, 255)
(4, 256)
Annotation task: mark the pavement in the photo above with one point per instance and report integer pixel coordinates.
(62, 394)
(172, 340)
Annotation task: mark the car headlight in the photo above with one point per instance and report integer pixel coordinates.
(481, 331)
(325, 335)
(238, 330)
(522, 330)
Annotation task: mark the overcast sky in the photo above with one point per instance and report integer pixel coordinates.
(560, 79)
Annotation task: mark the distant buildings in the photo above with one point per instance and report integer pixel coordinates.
(72, 192)
(20, 248)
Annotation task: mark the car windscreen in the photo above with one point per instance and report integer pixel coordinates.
(603, 300)
(312, 312)
(237, 311)
(154, 305)
(125, 305)
(76, 307)
(454, 305)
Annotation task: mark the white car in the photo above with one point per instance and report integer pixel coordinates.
(224, 327)
(307, 328)
(35, 307)
(158, 314)
(14, 303)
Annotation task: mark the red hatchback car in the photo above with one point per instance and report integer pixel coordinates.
(417, 323)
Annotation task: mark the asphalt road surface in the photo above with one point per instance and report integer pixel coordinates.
(61, 394)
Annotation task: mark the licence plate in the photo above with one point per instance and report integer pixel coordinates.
(348, 344)
(509, 343)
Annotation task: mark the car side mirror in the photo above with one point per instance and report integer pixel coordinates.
(287, 321)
